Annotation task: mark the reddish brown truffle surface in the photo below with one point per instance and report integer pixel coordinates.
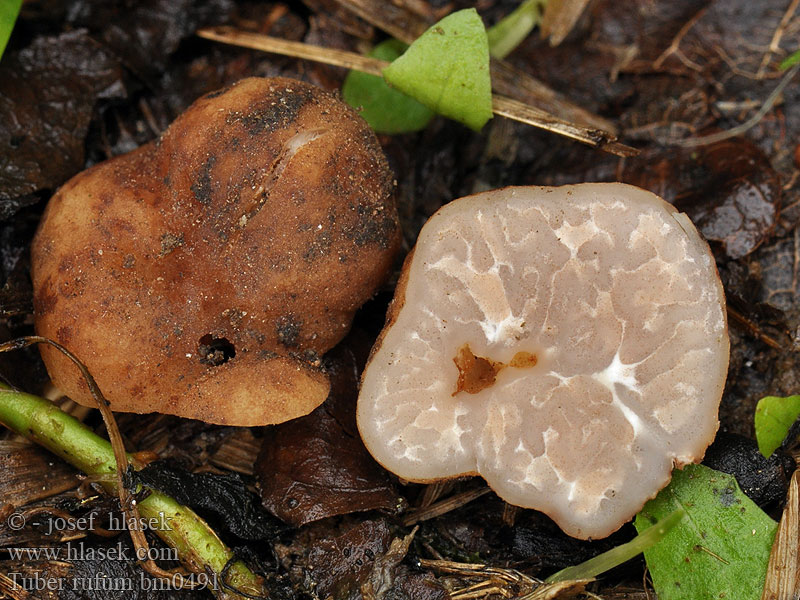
(204, 274)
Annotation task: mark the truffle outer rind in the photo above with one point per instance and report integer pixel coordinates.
(205, 274)
(614, 402)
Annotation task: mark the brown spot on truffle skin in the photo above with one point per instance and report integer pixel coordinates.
(201, 188)
(288, 328)
(64, 335)
(169, 241)
(45, 299)
(202, 228)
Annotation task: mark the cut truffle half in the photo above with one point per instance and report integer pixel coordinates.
(567, 344)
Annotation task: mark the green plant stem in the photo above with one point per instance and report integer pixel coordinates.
(198, 547)
(790, 60)
(509, 32)
(616, 556)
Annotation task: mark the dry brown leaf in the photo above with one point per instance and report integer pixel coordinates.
(560, 17)
(381, 578)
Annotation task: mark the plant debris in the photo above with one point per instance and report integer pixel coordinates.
(501, 105)
(224, 495)
(47, 95)
(317, 466)
(341, 564)
(29, 473)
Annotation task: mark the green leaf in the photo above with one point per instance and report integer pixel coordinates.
(386, 109)
(447, 69)
(9, 9)
(616, 556)
(774, 417)
(789, 61)
(509, 32)
(720, 551)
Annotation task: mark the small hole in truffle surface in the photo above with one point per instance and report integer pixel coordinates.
(215, 351)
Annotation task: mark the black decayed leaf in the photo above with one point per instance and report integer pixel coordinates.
(764, 480)
(226, 496)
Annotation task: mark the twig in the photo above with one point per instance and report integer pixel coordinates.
(445, 506)
(560, 17)
(753, 328)
(491, 580)
(395, 20)
(514, 109)
(736, 69)
(645, 581)
(750, 123)
(10, 589)
(674, 47)
(477, 569)
(507, 107)
(266, 43)
(503, 582)
(515, 83)
(434, 491)
(774, 45)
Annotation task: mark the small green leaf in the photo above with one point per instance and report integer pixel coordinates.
(386, 109)
(509, 32)
(790, 61)
(720, 551)
(447, 69)
(9, 9)
(616, 556)
(774, 417)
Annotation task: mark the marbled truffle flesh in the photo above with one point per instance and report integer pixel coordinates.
(204, 274)
(567, 344)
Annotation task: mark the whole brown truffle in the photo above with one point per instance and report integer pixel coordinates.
(204, 274)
